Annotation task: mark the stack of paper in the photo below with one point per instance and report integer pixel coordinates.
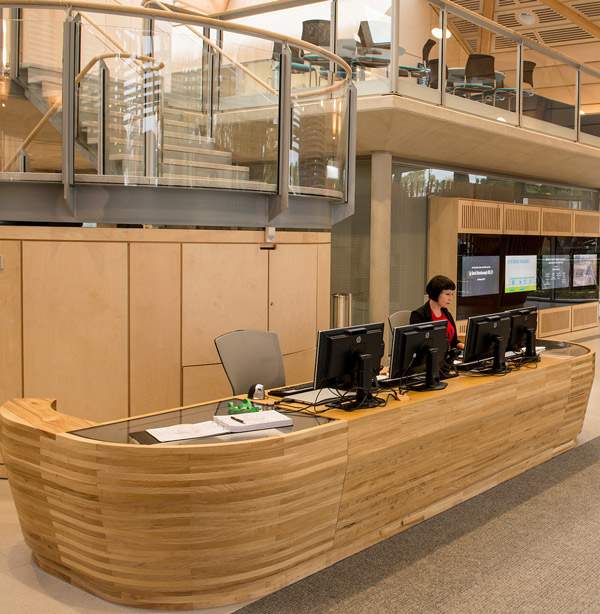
(241, 423)
(187, 431)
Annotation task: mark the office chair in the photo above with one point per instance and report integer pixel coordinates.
(510, 93)
(480, 76)
(251, 357)
(433, 74)
(427, 47)
(399, 318)
(317, 32)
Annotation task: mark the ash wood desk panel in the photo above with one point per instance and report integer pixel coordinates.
(178, 527)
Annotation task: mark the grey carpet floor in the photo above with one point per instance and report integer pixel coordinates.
(528, 546)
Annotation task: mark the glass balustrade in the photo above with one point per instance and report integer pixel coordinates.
(549, 94)
(319, 133)
(589, 114)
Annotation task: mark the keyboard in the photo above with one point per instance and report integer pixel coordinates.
(320, 396)
(286, 391)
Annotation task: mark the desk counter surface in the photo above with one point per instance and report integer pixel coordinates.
(207, 525)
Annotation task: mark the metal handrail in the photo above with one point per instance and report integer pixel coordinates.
(181, 16)
(453, 7)
(58, 104)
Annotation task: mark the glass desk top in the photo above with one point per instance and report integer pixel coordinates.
(133, 431)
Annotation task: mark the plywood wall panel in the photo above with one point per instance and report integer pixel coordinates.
(11, 384)
(225, 287)
(292, 296)
(204, 383)
(299, 367)
(324, 286)
(75, 326)
(155, 326)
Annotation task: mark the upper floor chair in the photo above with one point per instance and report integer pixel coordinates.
(505, 96)
(480, 77)
(433, 81)
(251, 357)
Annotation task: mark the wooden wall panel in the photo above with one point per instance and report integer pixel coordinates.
(204, 383)
(75, 326)
(155, 326)
(586, 224)
(292, 296)
(11, 383)
(225, 287)
(584, 316)
(557, 222)
(554, 321)
(299, 367)
(522, 219)
(324, 286)
(480, 217)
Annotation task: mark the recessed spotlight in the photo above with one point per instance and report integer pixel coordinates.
(527, 18)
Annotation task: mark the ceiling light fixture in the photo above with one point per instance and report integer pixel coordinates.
(527, 18)
(437, 32)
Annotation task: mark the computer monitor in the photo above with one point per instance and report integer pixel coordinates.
(522, 330)
(350, 359)
(418, 348)
(487, 337)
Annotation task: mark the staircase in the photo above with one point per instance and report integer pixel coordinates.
(187, 156)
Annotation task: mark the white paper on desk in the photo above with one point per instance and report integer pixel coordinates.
(187, 431)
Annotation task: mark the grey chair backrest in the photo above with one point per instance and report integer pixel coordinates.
(399, 318)
(251, 357)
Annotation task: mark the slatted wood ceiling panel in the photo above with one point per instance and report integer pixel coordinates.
(557, 222)
(522, 219)
(586, 224)
(480, 217)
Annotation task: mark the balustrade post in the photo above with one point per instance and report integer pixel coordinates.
(281, 202)
(71, 56)
(351, 156)
(519, 84)
(442, 77)
(395, 45)
(103, 115)
(14, 59)
(577, 104)
(150, 117)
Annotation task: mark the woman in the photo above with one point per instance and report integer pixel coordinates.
(440, 291)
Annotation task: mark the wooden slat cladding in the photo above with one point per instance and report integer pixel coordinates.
(554, 321)
(480, 217)
(522, 219)
(584, 316)
(586, 224)
(557, 222)
(181, 527)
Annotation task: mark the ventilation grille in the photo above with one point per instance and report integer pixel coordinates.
(585, 316)
(506, 3)
(521, 220)
(505, 43)
(586, 224)
(589, 9)
(472, 5)
(563, 35)
(465, 27)
(547, 15)
(508, 19)
(556, 222)
(554, 321)
(480, 217)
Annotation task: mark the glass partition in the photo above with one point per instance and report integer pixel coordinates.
(589, 114)
(419, 42)
(364, 40)
(27, 143)
(319, 138)
(481, 72)
(549, 94)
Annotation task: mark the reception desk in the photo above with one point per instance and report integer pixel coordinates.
(203, 525)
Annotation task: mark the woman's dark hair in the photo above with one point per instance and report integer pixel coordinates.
(437, 285)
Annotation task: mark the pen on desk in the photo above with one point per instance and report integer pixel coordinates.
(237, 420)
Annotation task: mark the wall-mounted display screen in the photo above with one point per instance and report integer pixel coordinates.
(556, 272)
(479, 275)
(520, 274)
(585, 270)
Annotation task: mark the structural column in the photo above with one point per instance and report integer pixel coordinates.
(381, 220)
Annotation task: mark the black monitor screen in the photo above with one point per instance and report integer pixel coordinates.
(556, 272)
(479, 275)
(585, 269)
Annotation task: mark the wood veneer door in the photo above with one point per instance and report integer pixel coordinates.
(75, 326)
(293, 296)
(225, 288)
(155, 326)
(11, 384)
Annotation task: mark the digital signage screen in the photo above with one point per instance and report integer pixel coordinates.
(556, 272)
(585, 270)
(479, 275)
(520, 274)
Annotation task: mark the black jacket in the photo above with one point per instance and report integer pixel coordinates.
(423, 314)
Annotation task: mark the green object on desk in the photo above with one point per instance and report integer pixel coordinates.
(244, 407)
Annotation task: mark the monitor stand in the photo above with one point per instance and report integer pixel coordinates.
(432, 373)
(530, 344)
(364, 398)
(499, 365)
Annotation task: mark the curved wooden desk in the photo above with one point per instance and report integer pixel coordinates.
(206, 525)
